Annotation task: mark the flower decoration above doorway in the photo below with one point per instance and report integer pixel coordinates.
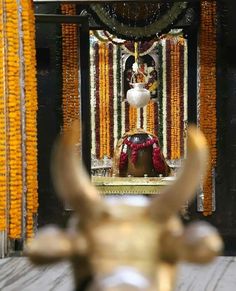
(142, 21)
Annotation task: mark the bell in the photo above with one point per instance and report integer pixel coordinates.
(138, 96)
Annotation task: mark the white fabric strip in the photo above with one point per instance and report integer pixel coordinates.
(92, 99)
(164, 107)
(115, 95)
(185, 91)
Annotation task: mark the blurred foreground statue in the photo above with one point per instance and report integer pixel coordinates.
(124, 245)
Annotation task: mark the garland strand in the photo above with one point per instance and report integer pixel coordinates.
(102, 89)
(208, 91)
(110, 98)
(164, 98)
(31, 114)
(119, 99)
(168, 97)
(97, 95)
(14, 119)
(70, 69)
(93, 99)
(3, 157)
(18, 102)
(174, 97)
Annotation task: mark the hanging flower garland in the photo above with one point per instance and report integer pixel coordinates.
(31, 114)
(70, 69)
(119, 92)
(132, 117)
(102, 90)
(3, 153)
(93, 98)
(174, 97)
(163, 113)
(111, 98)
(14, 120)
(175, 103)
(97, 95)
(18, 101)
(208, 91)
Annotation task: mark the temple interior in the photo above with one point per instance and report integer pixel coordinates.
(107, 110)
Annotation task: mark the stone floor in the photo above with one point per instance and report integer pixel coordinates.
(17, 274)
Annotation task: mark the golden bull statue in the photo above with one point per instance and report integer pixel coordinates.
(125, 245)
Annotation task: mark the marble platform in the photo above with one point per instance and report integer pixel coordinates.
(17, 274)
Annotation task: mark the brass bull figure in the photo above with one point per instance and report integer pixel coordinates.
(125, 245)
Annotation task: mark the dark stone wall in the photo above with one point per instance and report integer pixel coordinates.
(48, 48)
(225, 217)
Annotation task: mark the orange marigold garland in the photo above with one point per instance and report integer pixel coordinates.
(208, 91)
(104, 90)
(3, 162)
(14, 119)
(132, 117)
(30, 115)
(174, 97)
(18, 102)
(175, 102)
(150, 116)
(70, 69)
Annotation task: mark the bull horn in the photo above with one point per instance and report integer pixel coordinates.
(184, 188)
(71, 180)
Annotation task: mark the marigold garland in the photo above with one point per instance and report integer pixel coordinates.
(3, 158)
(132, 117)
(208, 91)
(175, 103)
(174, 98)
(14, 119)
(18, 101)
(104, 83)
(70, 69)
(31, 114)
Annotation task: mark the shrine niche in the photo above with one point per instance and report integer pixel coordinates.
(155, 59)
